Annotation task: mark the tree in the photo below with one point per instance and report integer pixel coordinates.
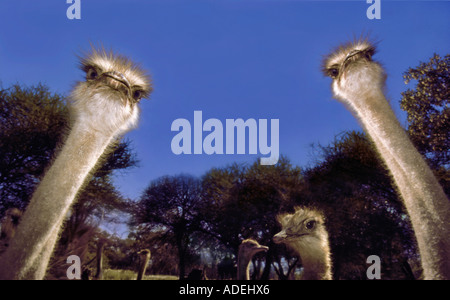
(242, 201)
(172, 205)
(32, 121)
(428, 109)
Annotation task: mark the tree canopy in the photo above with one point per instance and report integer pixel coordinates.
(172, 204)
(32, 120)
(428, 109)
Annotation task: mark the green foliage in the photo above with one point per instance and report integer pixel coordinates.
(32, 121)
(428, 109)
(172, 204)
(229, 204)
(242, 201)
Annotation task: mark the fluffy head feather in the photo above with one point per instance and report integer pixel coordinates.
(102, 63)
(353, 71)
(251, 247)
(303, 223)
(334, 64)
(107, 100)
(304, 232)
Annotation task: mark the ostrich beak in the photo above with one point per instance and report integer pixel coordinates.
(119, 77)
(119, 82)
(263, 248)
(279, 237)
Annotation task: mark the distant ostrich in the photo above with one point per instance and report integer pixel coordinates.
(305, 233)
(100, 248)
(358, 82)
(144, 257)
(247, 250)
(8, 227)
(102, 108)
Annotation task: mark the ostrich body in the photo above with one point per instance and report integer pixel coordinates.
(247, 250)
(102, 107)
(358, 82)
(305, 233)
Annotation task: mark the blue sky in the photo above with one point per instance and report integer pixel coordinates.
(230, 59)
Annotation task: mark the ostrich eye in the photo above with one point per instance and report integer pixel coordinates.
(311, 224)
(91, 74)
(333, 72)
(138, 94)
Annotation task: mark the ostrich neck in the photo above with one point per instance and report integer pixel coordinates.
(38, 230)
(243, 272)
(316, 263)
(143, 267)
(424, 198)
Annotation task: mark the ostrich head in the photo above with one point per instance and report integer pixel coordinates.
(249, 248)
(305, 233)
(113, 87)
(9, 225)
(303, 229)
(352, 69)
(144, 253)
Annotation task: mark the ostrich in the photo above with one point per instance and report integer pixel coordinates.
(144, 257)
(102, 108)
(305, 233)
(100, 248)
(9, 225)
(358, 82)
(247, 250)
